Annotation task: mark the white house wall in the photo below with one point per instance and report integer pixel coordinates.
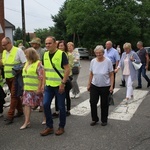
(9, 33)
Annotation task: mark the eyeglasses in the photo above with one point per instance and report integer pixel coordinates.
(48, 43)
(5, 44)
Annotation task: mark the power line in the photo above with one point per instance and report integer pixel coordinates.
(42, 5)
(26, 13)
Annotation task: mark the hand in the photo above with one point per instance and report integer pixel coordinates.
(131, 58)
(88, 87)
(42, 88)
(111, 89)
(116, 70)
(38, 91)
(61, 88)
(146, 67)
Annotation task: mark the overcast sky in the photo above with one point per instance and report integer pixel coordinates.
(37, 13)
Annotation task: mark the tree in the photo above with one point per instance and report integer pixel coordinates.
(18, 34)
(42, 34)
(89, 23)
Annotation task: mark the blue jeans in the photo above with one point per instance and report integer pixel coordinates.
(49, 94)
(142, 71)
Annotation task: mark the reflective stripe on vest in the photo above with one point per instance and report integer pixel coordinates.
(30, 76)
(9, 62)
(52, 78)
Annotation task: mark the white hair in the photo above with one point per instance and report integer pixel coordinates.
(99, 47)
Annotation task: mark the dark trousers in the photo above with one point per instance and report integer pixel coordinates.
(142, 71)
(49, 94)
(103, 93)
(15, 102)
(114, 67)
(68, 101)
(2, 101)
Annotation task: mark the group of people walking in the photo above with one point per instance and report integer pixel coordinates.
(45, 75)
(40, 78)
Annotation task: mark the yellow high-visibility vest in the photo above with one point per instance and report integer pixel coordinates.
(52, 78)
(30, 77)
(9, 62)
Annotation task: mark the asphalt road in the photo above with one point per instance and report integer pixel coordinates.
(79, 135)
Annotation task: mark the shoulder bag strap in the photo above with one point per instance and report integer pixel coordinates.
(56, 69)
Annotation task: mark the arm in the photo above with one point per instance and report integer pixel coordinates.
(117, 57)
(147, 61)
(135, 58)
(40, 72)
(90, 80)
(111, 75)
(64, 80)
(1, 63)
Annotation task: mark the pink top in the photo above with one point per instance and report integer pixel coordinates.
(126, 70)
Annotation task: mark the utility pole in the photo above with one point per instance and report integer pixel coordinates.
(23, 24)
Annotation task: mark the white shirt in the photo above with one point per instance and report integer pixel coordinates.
(101, 71)
(20, 56)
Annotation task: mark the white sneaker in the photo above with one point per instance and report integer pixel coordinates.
(77, 96)
(72, 95)
(1, 115)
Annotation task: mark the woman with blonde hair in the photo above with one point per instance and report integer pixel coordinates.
(33, 74)
(76, 64)
(128, 70)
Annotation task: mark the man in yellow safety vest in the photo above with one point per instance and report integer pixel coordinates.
(54, 84)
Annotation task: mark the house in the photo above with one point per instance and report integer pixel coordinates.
(9, 28)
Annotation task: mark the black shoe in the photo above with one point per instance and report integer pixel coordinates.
(19, 114)
(68, 113)
(8, 121)
(122, 85)
(138, 87)
(148, 84)
(93, 123)
(103, 123)
(55, 115)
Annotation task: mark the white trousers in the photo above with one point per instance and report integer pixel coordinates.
(129, 86)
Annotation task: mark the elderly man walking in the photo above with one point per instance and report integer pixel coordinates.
(11, 57)
(113, 55)
(143, 55)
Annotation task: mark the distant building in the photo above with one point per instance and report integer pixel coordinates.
(9, 28)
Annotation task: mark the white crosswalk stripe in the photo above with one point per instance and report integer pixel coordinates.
(83, 108)
(121, 112)
(126, 111)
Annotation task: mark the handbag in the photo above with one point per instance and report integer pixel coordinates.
(75, 70)
(68, 84)
(110, 99)
(136, 66)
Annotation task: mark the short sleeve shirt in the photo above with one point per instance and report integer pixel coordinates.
(112, 54)
(101, 71)
(20, 56)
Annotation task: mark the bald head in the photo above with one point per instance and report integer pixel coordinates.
(108, 45)
(6, 43)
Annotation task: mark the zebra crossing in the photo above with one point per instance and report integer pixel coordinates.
(122, 111)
